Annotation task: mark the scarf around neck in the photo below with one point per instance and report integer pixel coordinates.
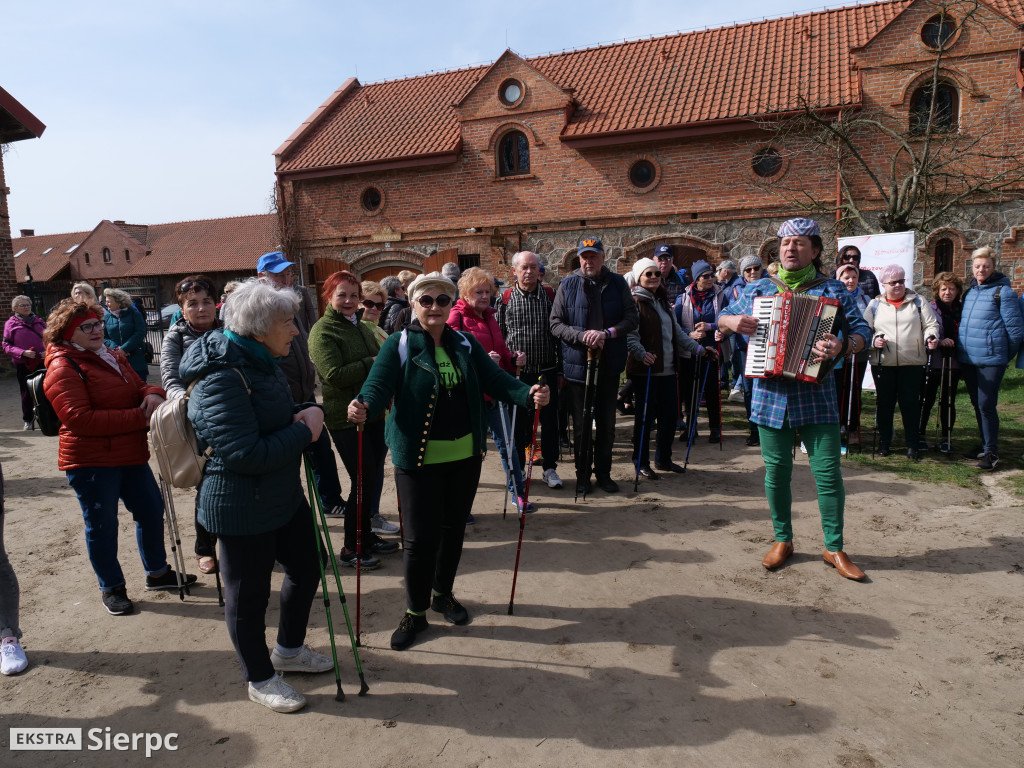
(795, 278)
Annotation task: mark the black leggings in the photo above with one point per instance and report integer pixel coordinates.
(374, 451)
(436, 499)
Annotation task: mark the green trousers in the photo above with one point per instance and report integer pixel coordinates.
(822, 442)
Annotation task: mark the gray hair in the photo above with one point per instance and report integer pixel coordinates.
(86, 288)
(230, 286)
(451, 270)
(891, 271)
(390, 284)
(519, 257)
(123, 298)
(252, 308)
(985, 252)
(18, 299)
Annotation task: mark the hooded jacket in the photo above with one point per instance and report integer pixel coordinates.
(21, 334)
(906, 328)
(177, 340)
(991, 329)
(484, 327)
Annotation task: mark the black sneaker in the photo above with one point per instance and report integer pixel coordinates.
(754, 438)
(988, 462)
(912, 454)
(117, 603)
(408, 628)
(379, 546)
(670, 467)
(883, 450)
(715, 436)
(583, 487)
(168, 580)
(649, 473)
(369, 562)
(451, 608)
(607, 485)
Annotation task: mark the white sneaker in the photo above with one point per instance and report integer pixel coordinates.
(803, 448)
(306, 660)
(382, 527)
(736, 396)
(552, 479)
(277, 695)
(12, 657)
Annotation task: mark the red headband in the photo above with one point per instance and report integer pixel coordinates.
(69, 331)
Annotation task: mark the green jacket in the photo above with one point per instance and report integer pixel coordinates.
(342, 352)
(410, 376)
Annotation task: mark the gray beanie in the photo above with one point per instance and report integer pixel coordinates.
(750, 261)
(727, 264)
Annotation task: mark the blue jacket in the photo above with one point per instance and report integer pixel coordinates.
(571, 315)
(127, 330)
(251, 483)
(990, 333)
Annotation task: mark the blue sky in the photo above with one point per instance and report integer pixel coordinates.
(171, 111)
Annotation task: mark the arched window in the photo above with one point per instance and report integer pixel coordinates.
(943, 255)
(106, 256)
(938, 113)
(514, 154)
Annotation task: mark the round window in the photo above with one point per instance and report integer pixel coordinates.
(511, 92)
(938, 31)
(767, 162)
(371, 199)
(642, 173)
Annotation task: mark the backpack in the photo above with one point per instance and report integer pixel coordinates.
(147, 349)
(172, 440)
(46, 417)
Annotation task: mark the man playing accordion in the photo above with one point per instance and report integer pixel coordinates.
(781, 407)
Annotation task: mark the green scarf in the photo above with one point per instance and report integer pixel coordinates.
(253, 346)
(794, 279)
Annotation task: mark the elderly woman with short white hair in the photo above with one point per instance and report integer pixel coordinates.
(124, 328)
(250, 496)
(904, 327)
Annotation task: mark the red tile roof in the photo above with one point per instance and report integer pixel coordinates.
(45, 254)
(729, 73)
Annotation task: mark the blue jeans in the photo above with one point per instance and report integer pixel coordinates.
(98, 490)
(494, 419)
(982, 382)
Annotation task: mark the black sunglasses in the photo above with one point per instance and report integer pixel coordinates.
(198, 284)
(371, 304)
(428, 301)
(649, 273)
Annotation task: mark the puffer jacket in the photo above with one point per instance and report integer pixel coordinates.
(251, 482)
(484, 327)
(178, 338)
(906, 329)
(101, 422)
(21, 334)
(126, 330)
(406, 370)
(990, 333)
(342, 353)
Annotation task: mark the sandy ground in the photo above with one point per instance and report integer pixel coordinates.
(645, 632)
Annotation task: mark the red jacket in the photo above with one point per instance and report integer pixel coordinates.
(485, 329)
(102, 423)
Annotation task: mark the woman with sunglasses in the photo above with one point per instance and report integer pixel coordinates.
(343, 350)
(373, 303)
(197, 298)
(104, 408)
(904, 327)
(435, 379)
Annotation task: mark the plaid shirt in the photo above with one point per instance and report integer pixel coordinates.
(525, 323)
(801, 402)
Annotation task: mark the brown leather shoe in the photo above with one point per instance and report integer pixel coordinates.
(842, 563)
(777, 555)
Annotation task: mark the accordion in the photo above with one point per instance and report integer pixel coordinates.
(788, 324)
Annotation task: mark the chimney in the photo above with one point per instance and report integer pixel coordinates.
(28, 233)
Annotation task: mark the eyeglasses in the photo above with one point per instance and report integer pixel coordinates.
(90, 327)
(706, 276)
(428, 301)
(369, 304)
(897, 282)
(751, 269)
(650, 273)
(665, 257)
(195, 284)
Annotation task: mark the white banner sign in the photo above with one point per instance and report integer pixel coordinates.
(879, 251)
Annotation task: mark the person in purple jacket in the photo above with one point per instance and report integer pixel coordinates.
(23, 343)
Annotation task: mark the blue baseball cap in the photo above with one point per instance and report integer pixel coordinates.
(273, 262)
(663, 250)
(590, 245)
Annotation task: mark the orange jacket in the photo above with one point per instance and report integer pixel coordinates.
(102, 423)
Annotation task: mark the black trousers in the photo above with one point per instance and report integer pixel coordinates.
(548, 423)
(661, 408)
(948, 380)
(604, 417)
(26, 398)
(691, 378)
(374, 450)
(436, 499)
(898, 384)
(326, 470)
(246, 564)
(849, 414)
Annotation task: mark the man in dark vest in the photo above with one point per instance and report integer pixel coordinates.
(593, 310)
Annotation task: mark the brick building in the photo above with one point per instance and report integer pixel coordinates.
(16, 124)
(639, 143)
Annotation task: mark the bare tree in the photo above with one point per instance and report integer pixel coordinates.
(901, 171)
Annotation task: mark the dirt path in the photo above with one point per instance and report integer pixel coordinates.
(645, 632)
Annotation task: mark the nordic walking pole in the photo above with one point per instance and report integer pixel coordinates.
(216, 573)
(693, 427)
(718, 389)
(319, 544)
(587, 436)
(177, 557)
(508, 458)
(878, 378)
(526, 500)
(359, 522)
(950, 401)
(643, 429)
(852, 362)
(924, 388)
